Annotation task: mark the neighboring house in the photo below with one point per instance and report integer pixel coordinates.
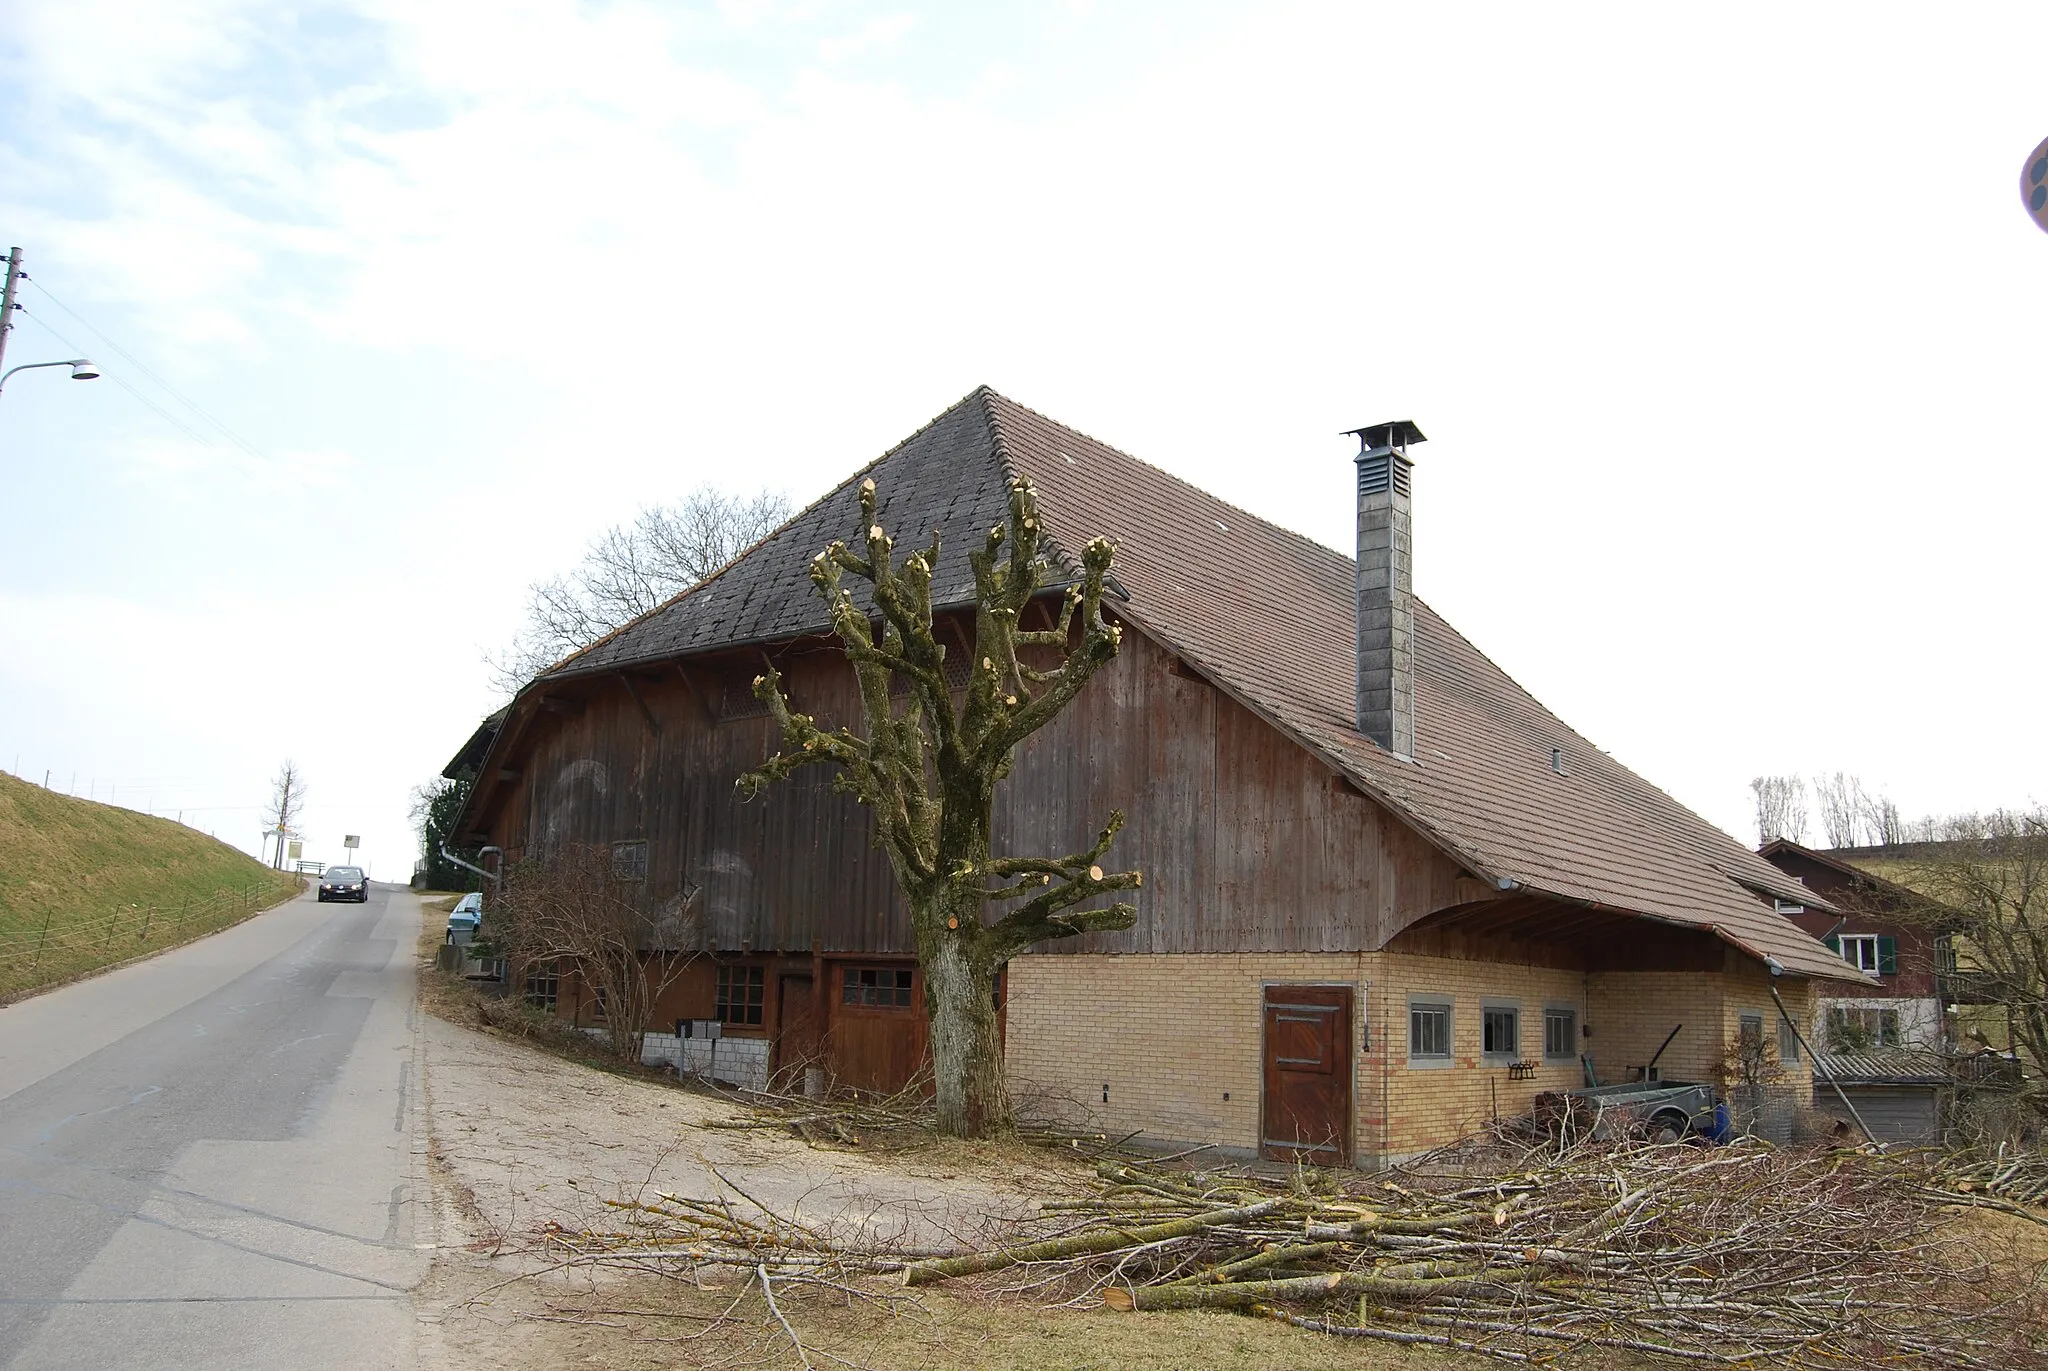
(1865, 919)
(1387, 894)
(1886, 1045)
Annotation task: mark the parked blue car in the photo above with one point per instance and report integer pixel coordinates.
(467, 914)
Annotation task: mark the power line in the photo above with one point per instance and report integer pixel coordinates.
(137, 363)
(117, 379)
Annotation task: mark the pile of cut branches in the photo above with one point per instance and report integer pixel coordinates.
(2016, 1176)
(1732, 1256)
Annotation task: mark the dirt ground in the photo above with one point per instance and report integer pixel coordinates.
(519, 1137)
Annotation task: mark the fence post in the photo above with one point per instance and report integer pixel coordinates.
(148, 916)
(41, 938)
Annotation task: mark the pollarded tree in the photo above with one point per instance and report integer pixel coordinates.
(928, 771)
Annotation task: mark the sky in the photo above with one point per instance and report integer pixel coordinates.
(1722, 322)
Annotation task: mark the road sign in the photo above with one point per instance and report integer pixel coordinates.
(2034, 185)
(295, 849)
(351, 842)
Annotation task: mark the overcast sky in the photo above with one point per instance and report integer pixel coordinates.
(1724, 323)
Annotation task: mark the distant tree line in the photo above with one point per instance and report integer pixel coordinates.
(1851, 814)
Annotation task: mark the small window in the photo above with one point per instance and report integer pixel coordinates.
(542, 985)
(629, 860)
(1860, 951)
(878, 987)
(1784, 906)
(598, 1002)
(1499, 1031)
(1560, 1034)
(741, 990)
(1788, 1040)
(1752, 1030)
(1429, 1030)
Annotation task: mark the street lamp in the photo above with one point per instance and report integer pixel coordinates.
(81, 370)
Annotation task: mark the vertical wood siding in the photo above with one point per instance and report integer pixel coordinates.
(1248, 844)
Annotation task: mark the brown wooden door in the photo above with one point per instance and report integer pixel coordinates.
(1305, 1114)
(796, 1037)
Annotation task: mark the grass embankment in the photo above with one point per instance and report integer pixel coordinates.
(84, 886)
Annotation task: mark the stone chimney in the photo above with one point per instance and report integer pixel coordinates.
(1386, 597)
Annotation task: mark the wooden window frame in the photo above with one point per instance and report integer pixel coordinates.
(1569, 1014)
(542, 973)
(629, 859)
(753, 1001)
(906, 988)
(1788, 1040)
(1432, 1004)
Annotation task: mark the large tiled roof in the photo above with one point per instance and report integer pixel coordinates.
(1268, 615)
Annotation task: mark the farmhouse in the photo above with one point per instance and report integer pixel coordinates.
(1386, 893)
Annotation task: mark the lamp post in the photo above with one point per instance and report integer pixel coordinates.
(81, 370)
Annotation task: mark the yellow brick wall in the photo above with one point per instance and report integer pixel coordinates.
(1175, 1040)
(1632, 1011)
(1169, 1036)
(1428, 1105)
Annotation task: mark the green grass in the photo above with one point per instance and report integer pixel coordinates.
(86, 885)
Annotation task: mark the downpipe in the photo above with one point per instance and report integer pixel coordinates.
(494, 877)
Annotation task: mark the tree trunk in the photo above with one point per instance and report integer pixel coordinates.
(959, 993)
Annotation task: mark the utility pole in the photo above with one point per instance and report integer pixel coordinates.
(7, 300)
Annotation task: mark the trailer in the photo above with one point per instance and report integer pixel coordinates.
(1661, 1111)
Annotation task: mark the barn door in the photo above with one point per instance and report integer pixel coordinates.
(1305, 1113)
(796, 1040)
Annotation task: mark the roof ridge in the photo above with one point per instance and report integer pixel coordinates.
(687, 591)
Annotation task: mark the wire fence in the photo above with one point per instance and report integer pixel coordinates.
(61, 948)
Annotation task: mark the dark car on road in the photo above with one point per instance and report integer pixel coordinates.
(345, 883)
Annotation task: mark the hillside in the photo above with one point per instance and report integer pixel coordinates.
(84, 885)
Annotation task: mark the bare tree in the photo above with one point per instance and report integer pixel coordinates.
(1780, 808)
(1886, 825)
(1843, 808)
(1986, 882)
(286, 808)
(631, 569)
(575, 911)
(928, 775)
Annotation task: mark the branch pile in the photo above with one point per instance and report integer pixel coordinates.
(1731, 1256)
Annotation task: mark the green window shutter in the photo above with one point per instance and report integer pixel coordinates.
(1834, 944)
(1887, 956)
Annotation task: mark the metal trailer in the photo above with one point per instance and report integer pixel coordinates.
(1661, 1111)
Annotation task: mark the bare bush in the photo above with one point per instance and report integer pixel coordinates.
(572, 910)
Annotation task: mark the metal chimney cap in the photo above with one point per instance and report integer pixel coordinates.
(1398, 433)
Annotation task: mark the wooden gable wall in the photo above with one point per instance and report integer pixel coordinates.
(1247, 842)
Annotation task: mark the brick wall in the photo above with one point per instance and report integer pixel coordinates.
(1175, 1041)
(1169, 1036)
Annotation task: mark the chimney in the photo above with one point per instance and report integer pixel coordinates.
(1386, 597)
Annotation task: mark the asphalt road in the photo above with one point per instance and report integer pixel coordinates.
(207, 1159)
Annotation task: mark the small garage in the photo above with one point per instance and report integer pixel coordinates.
(1901, 1095)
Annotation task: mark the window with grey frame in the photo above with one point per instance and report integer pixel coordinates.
(1788, 1040)
(1500, 1030)
(1560, 1033)
(1429, 1031)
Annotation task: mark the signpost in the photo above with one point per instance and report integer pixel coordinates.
(295, 849)
(351, 842)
